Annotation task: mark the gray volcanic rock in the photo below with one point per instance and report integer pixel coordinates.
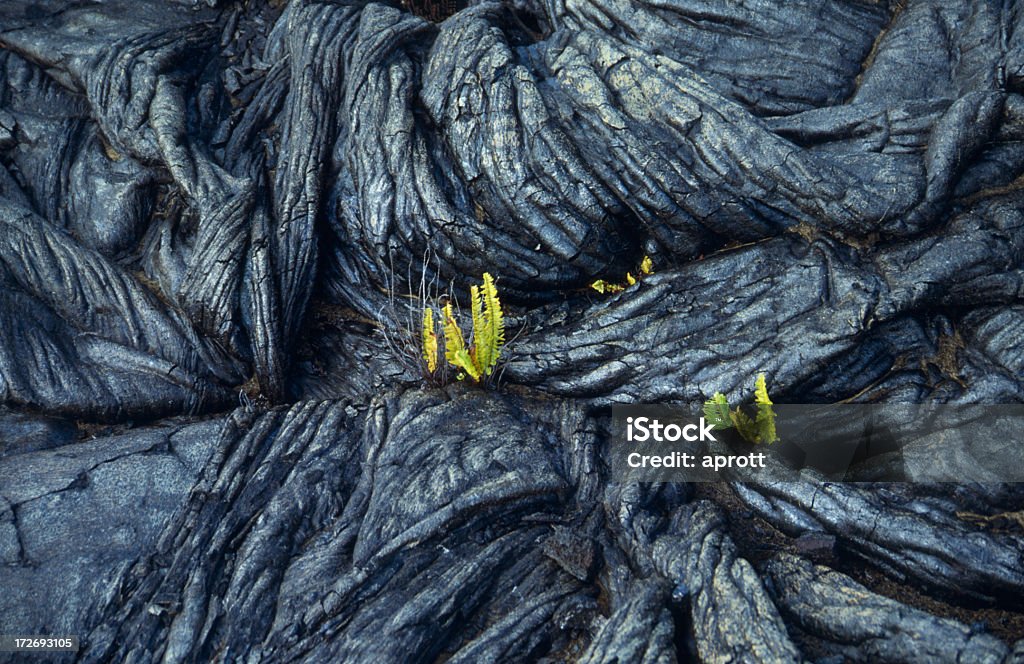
(73, 518)
(786, 306)
(102, 344)
(921, 539)
(220, 222)
(298, 512)
(872, 628)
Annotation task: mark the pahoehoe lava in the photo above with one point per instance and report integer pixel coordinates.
(216, 217)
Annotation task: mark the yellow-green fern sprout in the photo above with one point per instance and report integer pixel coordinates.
(760, 429)
(480, 359)
(455, 345)
(429, 340)
(765, 415)
(488, 325)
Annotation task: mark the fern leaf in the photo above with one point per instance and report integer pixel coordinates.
(716, 411)
(493, 338)
(761, 391)
(453, 341)
(479, 326)
(646, 266)
(463, 361)
(455, 346)
(765, 420)
(429, 340)
(602, 286)
(744, 425)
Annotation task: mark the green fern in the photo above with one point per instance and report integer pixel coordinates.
(716, 411)
(488, 325)
(429, 340)
(765, 414)
(760, 429)
(488, 334)
(645, 269)
(745, 426)
(455, 346)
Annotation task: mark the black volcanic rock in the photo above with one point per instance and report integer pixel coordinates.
(220, 222)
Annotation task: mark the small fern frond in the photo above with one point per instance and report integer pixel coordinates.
(602, 286)
(464, 361)
(645, 268)
(476, 302)
(765, 419)
(745, 426)
(493, 338)
(761, 391)
(760, 429)
(716, 411)
(429, 340)
(453, 341)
